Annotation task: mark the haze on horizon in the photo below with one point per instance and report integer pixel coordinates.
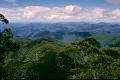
(61, 10)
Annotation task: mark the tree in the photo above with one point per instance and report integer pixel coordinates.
(3, 19)
(6, 42)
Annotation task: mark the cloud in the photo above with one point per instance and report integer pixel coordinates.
(67, 13)
(113, 1)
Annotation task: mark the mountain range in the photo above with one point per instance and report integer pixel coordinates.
(63, 31)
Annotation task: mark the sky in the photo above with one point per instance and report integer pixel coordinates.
(61, 10)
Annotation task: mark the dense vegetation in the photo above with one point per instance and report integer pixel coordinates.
(46, 58)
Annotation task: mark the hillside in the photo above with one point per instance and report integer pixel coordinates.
(48, 59)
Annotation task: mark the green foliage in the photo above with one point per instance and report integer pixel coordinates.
(2, 72)
(112, 52)
(14, 70)
(47, 67)
(92, 63)
(116, 44)
(3, 19)
(6, 42)
(5, 39)
(47, 59)
(87, 42)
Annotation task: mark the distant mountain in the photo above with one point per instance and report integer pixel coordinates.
(64, 31)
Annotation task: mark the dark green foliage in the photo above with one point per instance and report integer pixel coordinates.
(116, 44)
(87, 42)
(7, 44)
(46, 68)
(112, 52)
(3, 19)
(92, 63)
(14, 70)
(46, 59)
(6, 40)
(65, 62)
(2, 72)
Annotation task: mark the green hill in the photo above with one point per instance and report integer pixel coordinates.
(50, 59)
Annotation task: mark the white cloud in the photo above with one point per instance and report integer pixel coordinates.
(67, 13)
(113, 1)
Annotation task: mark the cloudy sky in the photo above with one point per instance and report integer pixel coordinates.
(61, 10)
